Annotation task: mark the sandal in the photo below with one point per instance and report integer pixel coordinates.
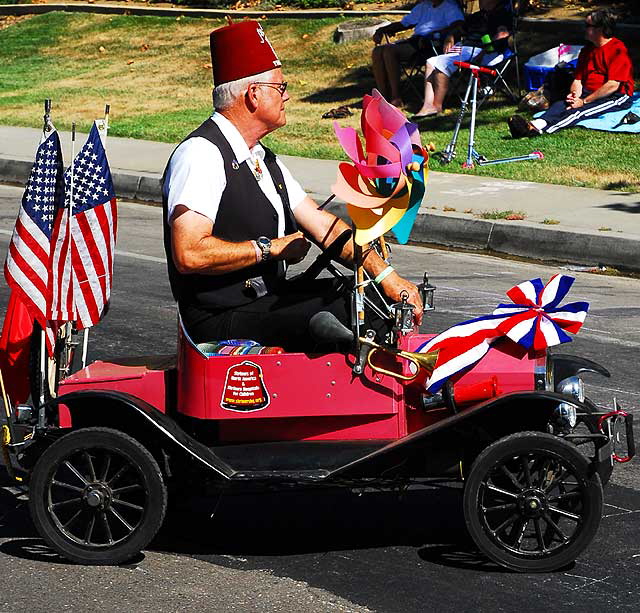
(425, 116)
(338, 113)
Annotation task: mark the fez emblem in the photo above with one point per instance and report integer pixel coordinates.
(244, 389)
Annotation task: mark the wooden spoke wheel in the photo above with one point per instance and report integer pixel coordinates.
(532, 503)
(97, 496)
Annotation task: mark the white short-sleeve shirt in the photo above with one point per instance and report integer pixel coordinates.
(427, 19)
(196, 177)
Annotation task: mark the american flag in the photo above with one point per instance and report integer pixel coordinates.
(28, 261)
(93, 234)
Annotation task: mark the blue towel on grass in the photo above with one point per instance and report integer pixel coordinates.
(609, 121)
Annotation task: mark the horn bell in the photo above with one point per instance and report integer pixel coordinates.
(426, 361)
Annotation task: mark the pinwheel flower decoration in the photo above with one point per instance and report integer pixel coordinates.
(535, 321)
(383, 187)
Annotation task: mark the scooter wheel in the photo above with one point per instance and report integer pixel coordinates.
(531, 502)
(97, 496)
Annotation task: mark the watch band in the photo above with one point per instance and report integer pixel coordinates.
(258, 252)
(264, 244)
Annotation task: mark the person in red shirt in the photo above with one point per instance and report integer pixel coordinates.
(603, 82)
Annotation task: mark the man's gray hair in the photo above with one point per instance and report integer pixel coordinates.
(226, 94)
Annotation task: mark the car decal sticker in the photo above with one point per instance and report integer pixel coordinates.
(244, 389)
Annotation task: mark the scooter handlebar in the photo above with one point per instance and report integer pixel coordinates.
(476, 68)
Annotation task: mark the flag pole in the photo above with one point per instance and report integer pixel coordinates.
(105, 129)
(47, 127)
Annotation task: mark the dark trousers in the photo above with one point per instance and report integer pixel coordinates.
(280, 319)
(558, 116)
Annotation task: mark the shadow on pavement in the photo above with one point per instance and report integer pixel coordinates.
(288, 523)
(302, 522)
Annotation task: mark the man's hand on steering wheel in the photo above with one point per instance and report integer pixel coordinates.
(292, 248)
(394, 286)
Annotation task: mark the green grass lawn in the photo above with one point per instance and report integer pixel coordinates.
(156, 75)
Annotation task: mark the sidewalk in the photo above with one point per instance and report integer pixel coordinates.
(579, 237)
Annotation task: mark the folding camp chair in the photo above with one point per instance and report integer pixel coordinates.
(499, 79)
(412, 69)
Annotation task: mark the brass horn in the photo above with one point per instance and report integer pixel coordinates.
(419, 360)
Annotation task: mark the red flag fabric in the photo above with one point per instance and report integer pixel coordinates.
(29, 258)
(14, 349)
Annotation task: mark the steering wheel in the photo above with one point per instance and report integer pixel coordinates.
(326, 256)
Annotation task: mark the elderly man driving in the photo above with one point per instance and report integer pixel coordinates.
(234, 216)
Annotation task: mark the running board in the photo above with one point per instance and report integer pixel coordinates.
(281, 475)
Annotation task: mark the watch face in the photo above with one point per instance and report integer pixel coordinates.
(263, 241)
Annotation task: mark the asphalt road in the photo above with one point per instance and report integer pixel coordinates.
(324, 551)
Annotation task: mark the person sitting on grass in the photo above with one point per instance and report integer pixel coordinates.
(603, 82)
(493, 20)
(430, 19)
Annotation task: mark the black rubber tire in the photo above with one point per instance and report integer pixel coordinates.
(127, 517)
(532, 506)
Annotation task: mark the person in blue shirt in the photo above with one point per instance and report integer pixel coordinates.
(429, 19)
(494, 19)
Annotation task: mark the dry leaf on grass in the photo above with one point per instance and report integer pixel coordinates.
(101, 49)
(129, 62)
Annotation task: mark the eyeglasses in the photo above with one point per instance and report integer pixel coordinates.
(281, 87)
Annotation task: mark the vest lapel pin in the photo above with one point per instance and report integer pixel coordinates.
(258, 170)
(235, 165)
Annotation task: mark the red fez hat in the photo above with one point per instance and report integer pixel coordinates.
(241, 50)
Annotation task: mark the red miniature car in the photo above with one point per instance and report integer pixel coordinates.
(532, 451)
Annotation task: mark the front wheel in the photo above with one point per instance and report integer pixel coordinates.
(531, 502)
(97, 496)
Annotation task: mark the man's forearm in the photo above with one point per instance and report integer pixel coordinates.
(392, 28)
(610, 87)
(213, 256)
(576, 88)
(373, 263)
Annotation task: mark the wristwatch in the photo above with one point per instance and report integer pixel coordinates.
(264, 244)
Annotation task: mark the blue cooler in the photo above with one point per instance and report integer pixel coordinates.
(538, 67)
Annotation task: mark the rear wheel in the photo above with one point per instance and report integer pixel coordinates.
(97, 496)
(531, 502)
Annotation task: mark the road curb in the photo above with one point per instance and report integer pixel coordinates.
(514, 238)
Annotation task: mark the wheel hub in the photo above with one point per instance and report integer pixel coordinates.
(532, 503)
(97, 496)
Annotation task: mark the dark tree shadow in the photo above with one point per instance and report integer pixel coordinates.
(624, 207)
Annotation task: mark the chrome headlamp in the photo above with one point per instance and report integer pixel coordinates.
(566, 415)
(571, 386)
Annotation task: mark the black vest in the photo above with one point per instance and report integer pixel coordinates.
(245, 213)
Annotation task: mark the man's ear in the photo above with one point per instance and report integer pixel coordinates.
(251, 96)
